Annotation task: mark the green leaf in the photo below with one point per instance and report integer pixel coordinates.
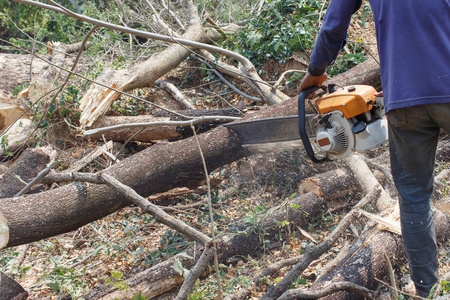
(178, 267)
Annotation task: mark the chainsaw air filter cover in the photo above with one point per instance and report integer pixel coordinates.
(351, 101)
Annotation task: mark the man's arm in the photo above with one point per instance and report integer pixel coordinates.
(331, 38)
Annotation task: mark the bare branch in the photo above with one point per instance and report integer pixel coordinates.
(227, 82)
(333, 288)
(162, 123)
(195, 273)
(312, 253)
(272, 96)
(159, 214)
(37, 178)
(182, 99)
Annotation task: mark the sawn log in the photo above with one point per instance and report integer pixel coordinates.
(156, 169)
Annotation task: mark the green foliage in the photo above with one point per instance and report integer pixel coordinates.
(282, 28)
(345, 62)
(172, 243)
(132, 107)
(18, 21)
(64, 281)
(178, 267)
(116, 281)
(4, 143)
(445, 288)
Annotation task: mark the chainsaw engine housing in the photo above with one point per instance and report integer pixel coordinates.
(350, 119)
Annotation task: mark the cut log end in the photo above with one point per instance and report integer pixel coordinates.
(4, 231)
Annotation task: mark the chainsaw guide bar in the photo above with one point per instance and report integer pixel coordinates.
(270, 130)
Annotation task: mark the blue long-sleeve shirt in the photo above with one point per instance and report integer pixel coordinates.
(413, 45)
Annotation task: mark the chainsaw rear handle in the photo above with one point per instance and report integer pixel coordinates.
(302, 125)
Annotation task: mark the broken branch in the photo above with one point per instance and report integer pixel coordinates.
(312, 253)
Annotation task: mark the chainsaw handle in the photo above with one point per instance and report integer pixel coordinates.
(302, 126)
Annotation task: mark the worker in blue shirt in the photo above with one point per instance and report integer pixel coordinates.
(414, 48)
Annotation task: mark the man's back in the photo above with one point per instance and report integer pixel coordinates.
(414, 48)
(413, 42)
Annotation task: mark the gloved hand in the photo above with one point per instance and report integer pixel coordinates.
(310, 80)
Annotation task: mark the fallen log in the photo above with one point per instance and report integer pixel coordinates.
(365, 262)
(17, 69)
(24, 169)
(162, 132)
(241, 240)
(156, 169)
(10, 289)
(332, 184)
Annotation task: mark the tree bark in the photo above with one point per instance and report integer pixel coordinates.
(156, 169)
(162, 277)
(16, 69)
(330, 184)
(24, 169)
(10, 289)
(150, 134)
(365, 262)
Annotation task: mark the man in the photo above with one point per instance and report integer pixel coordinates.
(414, 49)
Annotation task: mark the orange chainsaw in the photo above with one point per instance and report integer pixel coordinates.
(346, 119)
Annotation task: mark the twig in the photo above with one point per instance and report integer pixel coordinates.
(332, 288)
(18, 260)
(215, 26)
(319, 22)
(312, 253)
(284, 74)
(391, 274)
(272, 269)
(37, 178)
(399, 291)
(224, 80)
(160, 215)
(183, 207)
(196, 272)
(173, 15)
(88, 158)
(127, 141)
(182, 99)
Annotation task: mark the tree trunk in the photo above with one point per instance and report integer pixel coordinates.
(24, 169)
(162, 277)
(156, 169)
(364, 266)
(161, 132)
(332, 184)
(10, 289)
(16, 69)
